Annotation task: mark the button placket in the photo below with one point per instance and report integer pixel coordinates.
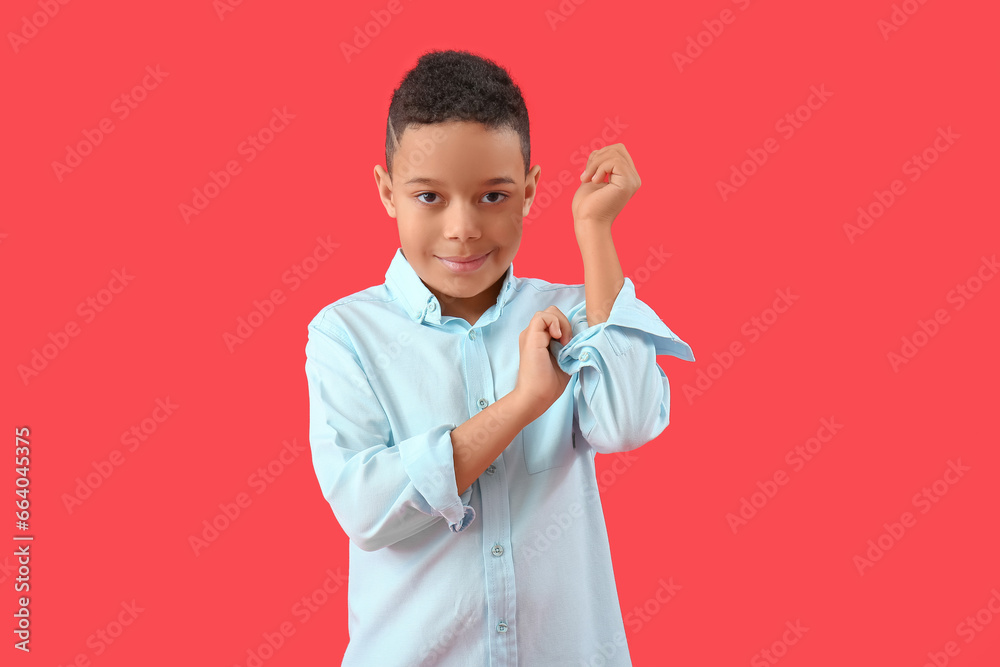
(495, 503)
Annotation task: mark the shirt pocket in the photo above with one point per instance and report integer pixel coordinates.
(549, 441)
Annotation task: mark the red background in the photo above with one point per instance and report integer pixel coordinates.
(826, 357)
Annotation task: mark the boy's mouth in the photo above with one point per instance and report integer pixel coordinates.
(460, 265)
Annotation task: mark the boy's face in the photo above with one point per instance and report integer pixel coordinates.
(458, 189)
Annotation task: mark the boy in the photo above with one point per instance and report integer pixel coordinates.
(437, 396)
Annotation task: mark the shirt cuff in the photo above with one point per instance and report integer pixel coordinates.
(627, 312)
(428, 459)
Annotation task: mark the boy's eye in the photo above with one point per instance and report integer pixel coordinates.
(488, 194)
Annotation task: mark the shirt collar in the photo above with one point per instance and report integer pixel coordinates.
(420, 303)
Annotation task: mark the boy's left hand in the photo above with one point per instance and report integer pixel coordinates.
(599, 203)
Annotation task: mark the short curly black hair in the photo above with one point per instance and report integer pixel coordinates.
(456, 85)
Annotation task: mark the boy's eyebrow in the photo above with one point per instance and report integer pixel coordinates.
(499, 180)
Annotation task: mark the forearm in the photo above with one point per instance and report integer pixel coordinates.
(603, 277)
(480, 440)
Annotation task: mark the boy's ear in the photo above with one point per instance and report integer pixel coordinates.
(384, 184)
(530, 187)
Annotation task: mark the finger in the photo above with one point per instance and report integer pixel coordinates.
(555, 330)
(603, 155)
(631, 167)
(623, 152)
(564, 324)
(600, 172)
(567, 327)
(593, 160)
(610, 166)
(543, 323)
(557, 324)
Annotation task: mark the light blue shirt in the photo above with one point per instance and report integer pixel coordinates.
(517, 569)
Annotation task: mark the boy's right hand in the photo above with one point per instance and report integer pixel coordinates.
(540, 381)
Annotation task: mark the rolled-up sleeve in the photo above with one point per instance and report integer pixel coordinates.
(380, 491)
(622, 396)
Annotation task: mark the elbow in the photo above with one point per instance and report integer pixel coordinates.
(372, 530)
(633, 412)
(368, 542)
(365, 529)
(626, 435)
(655, 415)
(367, 535)
(653, 421)
(659, 423)
(637, 424)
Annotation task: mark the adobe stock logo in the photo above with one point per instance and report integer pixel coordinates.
(101, 639)
(959, 296)
(105, 467)
(779, 648)
(753, 328)
(381, 18)
(967, 629)
(914, 167)
(294, 277)
(38, 20)
(636, 620)
(567, 181)
(59, 340)
(229, 511)
(249, 149)
(797, 457)
(222, 7)
(922, 500)
(898, 18)
(432, 652)
(786, 126)
(122, 106)
(543, 539)
(303, 610)
(697, 44)
(562, 12)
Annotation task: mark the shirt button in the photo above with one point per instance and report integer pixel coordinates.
(492, 469)
(501, 627)
(472, 334)
(432, 306)
(497, 550)
(483, 402)
(585, 356)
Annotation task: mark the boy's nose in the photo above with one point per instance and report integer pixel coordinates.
(462, 222)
